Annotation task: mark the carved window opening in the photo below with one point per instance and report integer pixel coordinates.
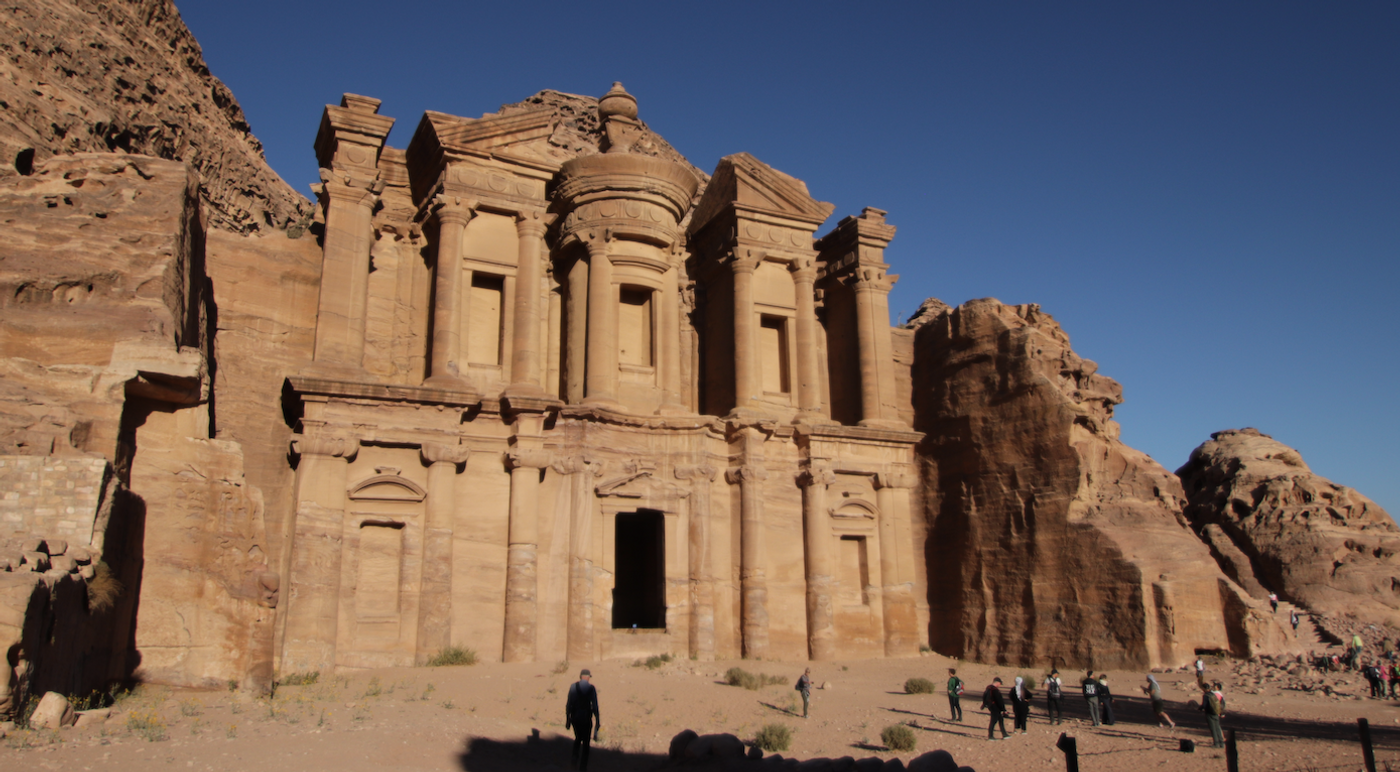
(639, 594)
(636, 325)
(377, 577)
(855, 571)
(487, 319)
(773, 353)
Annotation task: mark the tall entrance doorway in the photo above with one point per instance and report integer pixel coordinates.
(639, 590)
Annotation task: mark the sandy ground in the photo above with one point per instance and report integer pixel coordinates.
(510, 717)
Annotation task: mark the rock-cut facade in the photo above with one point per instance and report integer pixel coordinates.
(580, 405)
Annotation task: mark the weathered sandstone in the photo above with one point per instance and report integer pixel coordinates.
(1051, 540)
(128, 77)
(1267, 516)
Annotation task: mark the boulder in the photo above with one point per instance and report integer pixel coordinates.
(1318, 544)
(53, 712)
(680, 742)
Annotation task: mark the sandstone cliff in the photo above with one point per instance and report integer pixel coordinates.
(1284, 529)
(128, 77)
(1050, 540)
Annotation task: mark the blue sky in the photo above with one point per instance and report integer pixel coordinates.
(1205, 195)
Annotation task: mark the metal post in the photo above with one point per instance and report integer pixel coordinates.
(1364, 727)
(1232, 752)
(1071, 751)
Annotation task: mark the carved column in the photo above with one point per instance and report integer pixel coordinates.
(702, 579)
(435, 603)
(809, 393)
(521, 567)
(872, 290)
(896, 569)
(821, 615)
(600, 379)
(576, 341)
(312, 605)
(579, 488)
(753, 556)
(670, 339)
(525, 345)
(349, 235)
(745, 337)
(448, 363)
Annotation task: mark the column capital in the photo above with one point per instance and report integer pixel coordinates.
(745, 473)
(528, 459)
(337, 187)
(325, 445)
(443, 453)
(532, 223)
(696, 472)
(804, 270)
(896, 479)
(577, 464)
(745, 262)
(816, 473)
(453, 210)
(868, 279)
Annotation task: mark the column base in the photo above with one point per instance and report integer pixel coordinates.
(883, 423)
(447, 383)
(673, 408)
(525, 391)
(603, 402)
(812, 419)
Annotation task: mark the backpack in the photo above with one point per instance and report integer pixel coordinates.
(1091, 688)
(798, 685)
(1053, 688)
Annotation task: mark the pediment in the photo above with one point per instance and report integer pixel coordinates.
(855, 509)
(519, 138)
(741, 181)
(387, 487)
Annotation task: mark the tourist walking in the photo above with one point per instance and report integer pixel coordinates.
(1054, 690)
(1153, 690)
(1372, 675)
(1212, 707)
(996, 707)
(1394, 679)
(581, 713)
(1105, 700)
(1293, 618)
(1020, 705)
(804, 685)
(1091, 695)
(1273, 601)
(1200, 671)
(955, 690)
(1355, 651)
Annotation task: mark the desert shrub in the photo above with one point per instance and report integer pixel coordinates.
(898, 738)
(773, 737)
(452, 656)
(652, 663)
(918, 686)
(147, 724)
(561, 667)
(305, 678)
(103, 588)
(735, 676)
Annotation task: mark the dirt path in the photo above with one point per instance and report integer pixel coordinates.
(489, 717)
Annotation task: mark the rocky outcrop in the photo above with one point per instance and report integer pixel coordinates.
(1320, 545)
(1050, 540)
(128, 77)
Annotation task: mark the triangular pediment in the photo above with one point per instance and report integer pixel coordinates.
(744, 182)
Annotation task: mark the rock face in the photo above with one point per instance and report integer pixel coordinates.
(128, 77)
(1268, 517)
(1051, 540)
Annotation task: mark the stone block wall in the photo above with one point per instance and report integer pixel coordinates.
(50, 497)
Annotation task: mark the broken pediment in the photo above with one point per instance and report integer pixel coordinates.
(742, 182)
(519, 139)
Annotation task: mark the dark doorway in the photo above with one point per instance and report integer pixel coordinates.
(639, 594)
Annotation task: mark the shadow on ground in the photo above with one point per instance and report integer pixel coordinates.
(548, 753)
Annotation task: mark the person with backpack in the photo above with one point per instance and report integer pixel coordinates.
(1373, 677)
(955, 690)
(1213, 706)
(996, 708)
(1020, 705)
(1293, 618)
(581, 714)
(1053, 690)
(1105, 700)
(1091, 694)
(1153, 690)
(804, 685)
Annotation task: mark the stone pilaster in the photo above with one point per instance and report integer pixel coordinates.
(702, 578)
(821, 579)
(525, 343)
(521, 613)
(669, 336)
(872, 289)
(435, 600)
(448, 363)
(580, 472)
(896, 565)
(753, 558)
(312, 605)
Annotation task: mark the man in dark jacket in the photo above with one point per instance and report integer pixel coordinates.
(581, 713)
(1105, 700)
(996, 706)
(1090, 685)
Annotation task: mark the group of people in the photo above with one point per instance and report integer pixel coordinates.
(1096, 692)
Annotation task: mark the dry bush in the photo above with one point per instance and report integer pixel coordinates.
(103, 589)
(453, 655)
(773, 737)
(918, 686)
(898, 738)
